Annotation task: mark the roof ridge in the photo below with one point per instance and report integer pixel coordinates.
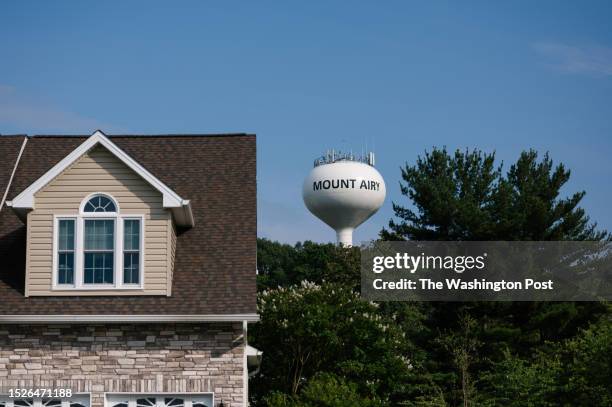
(195, 135)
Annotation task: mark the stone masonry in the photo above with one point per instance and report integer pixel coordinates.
(139, 358)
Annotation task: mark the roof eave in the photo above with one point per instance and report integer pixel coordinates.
(22, 213)
(183, 215)
(135, 318)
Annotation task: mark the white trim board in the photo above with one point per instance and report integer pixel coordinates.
(33, 319)
(171, 200)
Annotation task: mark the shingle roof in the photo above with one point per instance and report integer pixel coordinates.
(215, 260)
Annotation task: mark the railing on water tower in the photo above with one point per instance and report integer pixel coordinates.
(333, 156)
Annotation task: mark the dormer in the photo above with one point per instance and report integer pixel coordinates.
(99, 223)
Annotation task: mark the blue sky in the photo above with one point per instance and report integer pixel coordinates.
(400, 77)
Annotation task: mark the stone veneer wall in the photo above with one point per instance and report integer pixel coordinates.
(143, 358)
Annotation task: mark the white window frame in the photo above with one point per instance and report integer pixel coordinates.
(79, 252)
(56, 220)
(112, 398)
(82, 398)
(139, 218)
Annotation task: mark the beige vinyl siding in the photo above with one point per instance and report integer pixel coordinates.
(172, 254)
(98, 171)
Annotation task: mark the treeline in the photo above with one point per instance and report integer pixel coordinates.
(325, 346)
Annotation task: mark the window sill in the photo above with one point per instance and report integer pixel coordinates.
(98, 288)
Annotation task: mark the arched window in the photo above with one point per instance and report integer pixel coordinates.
(76, 400)
(100, 203)
(160, 400)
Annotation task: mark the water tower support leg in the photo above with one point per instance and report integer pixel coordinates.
(345, 237)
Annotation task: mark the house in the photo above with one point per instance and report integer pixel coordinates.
(127, 270)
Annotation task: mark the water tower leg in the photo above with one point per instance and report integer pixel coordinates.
(345, 237)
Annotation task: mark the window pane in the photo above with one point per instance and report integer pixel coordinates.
(65, 255)
(65, 272)
(66, 234)
(130, 268)
(108, 274)
(174, 402)
(98, 268)
(146, 402)
(88, 278)
(131, 234)
(99, 234)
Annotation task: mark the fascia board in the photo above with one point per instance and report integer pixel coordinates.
(33, 319)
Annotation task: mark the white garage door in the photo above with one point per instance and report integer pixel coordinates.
(160, 400)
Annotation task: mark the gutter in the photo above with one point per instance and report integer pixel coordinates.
(42, 319)
(8, 186)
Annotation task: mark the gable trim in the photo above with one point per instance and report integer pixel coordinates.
(180, 207)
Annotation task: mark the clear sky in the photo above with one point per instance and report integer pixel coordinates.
(306, 76)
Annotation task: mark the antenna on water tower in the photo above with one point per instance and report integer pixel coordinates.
(344, 190)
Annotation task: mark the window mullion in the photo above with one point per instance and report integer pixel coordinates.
(119, 251)
(80, 244)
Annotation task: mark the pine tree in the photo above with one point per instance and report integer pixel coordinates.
(467, 196)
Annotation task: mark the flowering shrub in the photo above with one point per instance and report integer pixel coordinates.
(309, 328)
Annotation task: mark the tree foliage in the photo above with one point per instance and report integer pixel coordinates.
(282, 265)
(573, 372)
(467, 196)
(310, 328)
(324, 389)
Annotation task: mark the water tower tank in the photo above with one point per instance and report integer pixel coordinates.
(344, 191)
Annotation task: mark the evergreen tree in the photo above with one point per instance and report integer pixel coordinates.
(466, 196)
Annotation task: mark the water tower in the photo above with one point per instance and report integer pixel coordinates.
(343, 191)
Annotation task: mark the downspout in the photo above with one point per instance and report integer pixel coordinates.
(245, 367)
(8, 186)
